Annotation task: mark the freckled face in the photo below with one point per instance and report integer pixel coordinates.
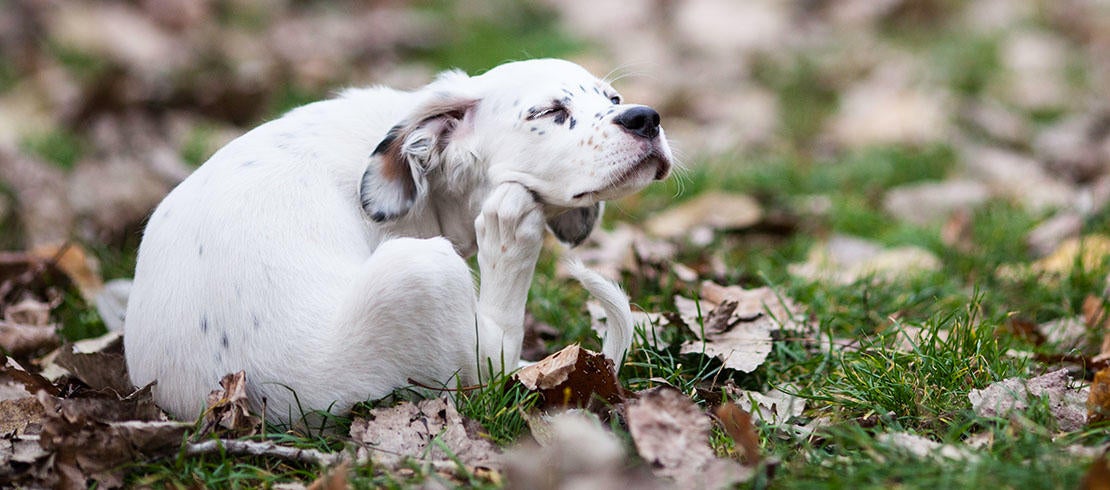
(550, 125)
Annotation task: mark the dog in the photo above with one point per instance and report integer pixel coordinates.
(324, 252)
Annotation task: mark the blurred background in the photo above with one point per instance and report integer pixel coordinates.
(105, 106)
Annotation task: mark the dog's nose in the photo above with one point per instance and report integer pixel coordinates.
(640, 121)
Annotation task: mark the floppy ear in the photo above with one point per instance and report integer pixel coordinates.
(574, 225)
(396, 177)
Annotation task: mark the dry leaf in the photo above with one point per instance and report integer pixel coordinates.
(573, 377)
(624, 248)
(573, 451)
(1098, 401)
(672, 435)
(97, 362)
(1065, 333)
(845, 260)
(1098, 475)
(738, 323)
(407, 430)
(1048, 235)
(91, 438)
(228, 410)
(712, 210)
(32, 382)
(17, 414)
(927, 203)
(738, 424)
(1017, 177)
(774, 407)
(23, 462)
(82, 269)
(334, 479)
(924, 448)
(1067, 404)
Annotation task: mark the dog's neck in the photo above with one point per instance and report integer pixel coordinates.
(455, 209)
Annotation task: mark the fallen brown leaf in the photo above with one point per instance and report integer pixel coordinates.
(738, 424)
(82, 269)
(17, 414)
(1098, 475)
(672, 435)
(573, 377)
(411, 430)
(1098, 401)
(97, 362)
(845, 260)
(228, 411)
(710, 211)
(26, 327)
(572, 450)
(32, 382)
(334, 479)
(922, 447)
(738, 323)
(1066, 403)
(92, 437)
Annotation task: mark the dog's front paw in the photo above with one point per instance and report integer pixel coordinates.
(510, 227)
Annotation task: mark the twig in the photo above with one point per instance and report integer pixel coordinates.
(237, 447)
(444, 388)
(264, 448)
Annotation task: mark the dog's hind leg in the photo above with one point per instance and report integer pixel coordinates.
(409, 314)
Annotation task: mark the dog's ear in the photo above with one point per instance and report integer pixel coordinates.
(396, 177)
(574, 225)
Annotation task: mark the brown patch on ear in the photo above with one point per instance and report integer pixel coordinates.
(394, 166)
(389, 185)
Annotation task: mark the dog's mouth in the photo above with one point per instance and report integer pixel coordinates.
(654, 163)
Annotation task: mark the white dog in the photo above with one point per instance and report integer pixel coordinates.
(323, 252)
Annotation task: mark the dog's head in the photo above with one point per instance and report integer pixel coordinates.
(547, 124)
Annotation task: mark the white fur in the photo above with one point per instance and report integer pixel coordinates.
(264, 260)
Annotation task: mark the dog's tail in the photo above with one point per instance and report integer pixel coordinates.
(618, 333)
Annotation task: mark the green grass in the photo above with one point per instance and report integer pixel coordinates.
(496, 32)
(60, 147)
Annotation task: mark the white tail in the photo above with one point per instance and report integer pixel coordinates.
(618, 334)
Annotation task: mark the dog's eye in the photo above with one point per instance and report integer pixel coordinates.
(557, 111)
(616, 100)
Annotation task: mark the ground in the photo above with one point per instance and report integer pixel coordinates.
(900, 208)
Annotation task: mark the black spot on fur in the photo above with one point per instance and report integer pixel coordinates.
(200, 250)
(560, 118)
(249, 163)
(541, 132)
(597, 90)
(204, 324)
(389, 138)
(255, 321)
(572, 123)
(583, 89)
(598, 115)
(223, 340)
(533, 129)
(516, 103)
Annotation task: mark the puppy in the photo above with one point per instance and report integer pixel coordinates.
(323, 252)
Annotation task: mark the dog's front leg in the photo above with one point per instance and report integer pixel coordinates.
(510, 232)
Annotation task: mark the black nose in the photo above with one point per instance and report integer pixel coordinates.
(640, 121)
